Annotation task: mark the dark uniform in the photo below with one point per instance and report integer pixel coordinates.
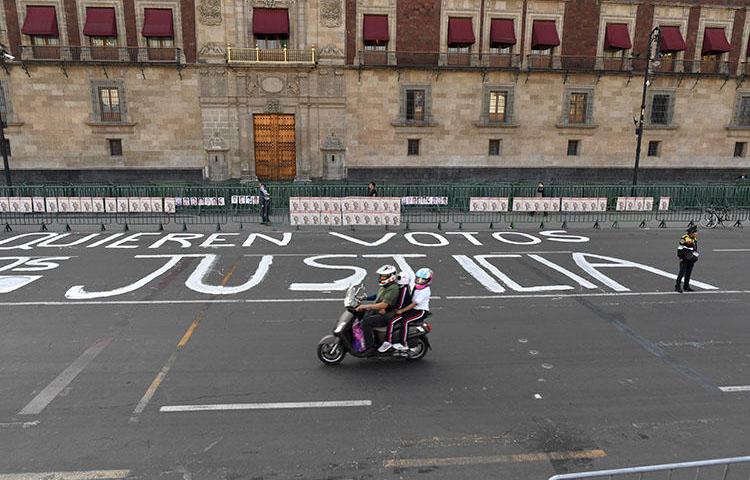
(687, 252)
(390, 295)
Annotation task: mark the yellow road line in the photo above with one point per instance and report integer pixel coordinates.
(490, 459)
(151, 390)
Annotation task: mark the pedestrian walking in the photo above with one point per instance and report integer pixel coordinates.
(265, 203)
(539, 189)
(372, 190)
(687, 252)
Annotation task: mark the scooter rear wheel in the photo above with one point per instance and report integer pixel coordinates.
(417, 348)
(331, 353)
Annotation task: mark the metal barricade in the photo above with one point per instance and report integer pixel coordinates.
(718, 469)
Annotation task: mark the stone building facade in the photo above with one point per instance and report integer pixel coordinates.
(97, 90)
(381, 89)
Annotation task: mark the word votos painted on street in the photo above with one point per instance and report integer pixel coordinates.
(28, 241)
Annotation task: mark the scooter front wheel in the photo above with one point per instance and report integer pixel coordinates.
(331, 353)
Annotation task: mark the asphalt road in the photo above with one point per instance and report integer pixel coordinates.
(559, 372)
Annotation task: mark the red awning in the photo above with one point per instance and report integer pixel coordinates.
(100, 22)
(157, 22)
(617, 37)
(460, 31)
(270, 21)
(40, 21)
(502, 32)
(544, 35)
(375, 28)
(671, 39)
(714, 41)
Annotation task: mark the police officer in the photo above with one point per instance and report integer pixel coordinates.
(687, 252)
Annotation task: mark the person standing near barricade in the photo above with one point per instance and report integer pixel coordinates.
(687, 252)
(372, 190)
(265, 203)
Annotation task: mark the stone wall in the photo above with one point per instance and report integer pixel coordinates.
(699, 137)
(52, 125)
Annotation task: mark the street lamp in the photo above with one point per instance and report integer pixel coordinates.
(653, 38)
(4, 55)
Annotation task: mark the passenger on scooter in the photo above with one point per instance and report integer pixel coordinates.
(416, 311)
(379, 313)
(403, 280)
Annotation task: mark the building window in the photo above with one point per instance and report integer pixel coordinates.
(661, 109)
(740, 149)
(44, 41)
(376, 46)
(109, 104)
(742, 113)
(415, 105)
(160, 42)
(577, 107)
(573, 147)
(495, 147)
(115, 147)
(103, 41)
(412, 147)
(271, 42)
(654, 148)
(498, 100)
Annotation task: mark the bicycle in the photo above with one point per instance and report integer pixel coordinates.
(714, 216)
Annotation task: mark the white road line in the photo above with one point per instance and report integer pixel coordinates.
(732, 250)
(740, 388)
(89, 475)
(264, 406)
(305, 300)
(532, 251)
(57, 385)
(606, 294)
(20, 424)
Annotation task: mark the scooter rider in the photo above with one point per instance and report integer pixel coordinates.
(417, 310)
(403, 280)
(379, 313)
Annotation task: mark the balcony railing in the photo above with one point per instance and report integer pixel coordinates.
(251, 56)
(377, 58)
(73, 54)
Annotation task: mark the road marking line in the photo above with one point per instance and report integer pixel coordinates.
(320, 300)
(264, 406)
(20, 424)
(533, 251)
(143, 403)
(57, 385)
(90, 475)
(490, 459)
(732, 250)
(740, 388)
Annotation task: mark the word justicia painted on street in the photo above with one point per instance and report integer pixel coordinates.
(334, 272)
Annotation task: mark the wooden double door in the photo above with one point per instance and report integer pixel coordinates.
(275, 147)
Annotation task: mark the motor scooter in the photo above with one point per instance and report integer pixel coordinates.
(333, 348)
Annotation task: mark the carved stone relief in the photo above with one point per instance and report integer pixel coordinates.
(252, 85)
(273, 106)
(292, 85)
(332, 142)
(212, 49)
(330, 13)
(330, 82)
(216, 143)
(272, 84)
(209, 12)
(331, 51)
(213, 83)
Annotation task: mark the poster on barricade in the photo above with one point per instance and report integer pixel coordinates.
(21, 205)
(634, 204)
(51, 204)
(488, 204)
(4, 205)
(110, 204)
(536, 204)
(122, 205)
(63, 204)
(75, 204)
(97, 204)
(87, 205)
(134, 204)
(583, 204)
(157, 204)
(38, 204)
(424, 200)
(664, 203)
(170, 205)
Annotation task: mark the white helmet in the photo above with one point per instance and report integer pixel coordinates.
(386, 275)
(403, 279)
